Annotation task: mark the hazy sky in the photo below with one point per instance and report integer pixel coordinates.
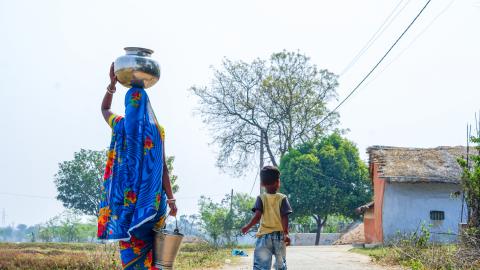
(55, 56)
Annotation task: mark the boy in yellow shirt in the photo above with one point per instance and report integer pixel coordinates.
(272, 210)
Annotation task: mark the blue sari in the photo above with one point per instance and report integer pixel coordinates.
(133, 201)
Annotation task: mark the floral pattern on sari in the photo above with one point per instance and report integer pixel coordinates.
(130, 197)
(109, 166)
(147, 145)
(135, 99)
(103, 217)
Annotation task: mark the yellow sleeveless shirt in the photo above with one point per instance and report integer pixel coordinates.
(271, 220)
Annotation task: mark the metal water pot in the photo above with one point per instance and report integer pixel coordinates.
(166, 245)
(137, 68)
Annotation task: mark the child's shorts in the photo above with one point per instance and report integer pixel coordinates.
(269, 245)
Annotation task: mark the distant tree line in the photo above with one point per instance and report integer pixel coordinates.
(66, 227)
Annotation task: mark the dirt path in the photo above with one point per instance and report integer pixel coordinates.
(317, 258)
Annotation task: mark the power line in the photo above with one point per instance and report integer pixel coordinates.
(255, 181)
(413, 41)
(376, 35)
(376, 65)
(27, 195)
(53, 198)
(317, 171)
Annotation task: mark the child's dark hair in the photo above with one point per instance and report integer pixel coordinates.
(269, 175)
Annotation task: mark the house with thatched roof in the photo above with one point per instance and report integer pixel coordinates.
(414, 186)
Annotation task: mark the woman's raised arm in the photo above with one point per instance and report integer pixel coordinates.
(107, 99)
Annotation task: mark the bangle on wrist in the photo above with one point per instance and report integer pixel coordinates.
(110, 90)
(171, 201)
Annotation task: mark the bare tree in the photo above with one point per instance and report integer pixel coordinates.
(277, 103)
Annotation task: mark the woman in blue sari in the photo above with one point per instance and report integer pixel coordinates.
(136, 187)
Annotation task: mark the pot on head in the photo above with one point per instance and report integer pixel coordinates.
(137, 68)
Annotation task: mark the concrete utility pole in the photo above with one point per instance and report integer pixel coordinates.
(231, 201)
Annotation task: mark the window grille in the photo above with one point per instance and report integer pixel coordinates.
(437, 215)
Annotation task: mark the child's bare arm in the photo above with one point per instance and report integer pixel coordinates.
(255, 220)
(285, 229)
(285, 224)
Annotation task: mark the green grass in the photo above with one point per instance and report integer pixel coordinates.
(373, 252)
(377, 253)
(201, 256)
(42, 256)
(430, 257)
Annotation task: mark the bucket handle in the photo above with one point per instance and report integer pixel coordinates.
(176, 223)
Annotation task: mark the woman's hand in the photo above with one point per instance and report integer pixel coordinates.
(173, 208)
(113, 78)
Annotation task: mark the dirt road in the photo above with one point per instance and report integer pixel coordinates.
(317, 258)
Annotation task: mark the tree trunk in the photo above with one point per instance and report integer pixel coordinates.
(319, 230)
(320, 224)
(266, 144)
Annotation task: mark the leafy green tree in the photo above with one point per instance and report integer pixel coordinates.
(471, 183)
(302, 224)
(6, 233)
(213, 216)
(47, 231)
(335, 223)
(241, 211)
(20, 232)
(78, 181)
(67, 227)
(325, 178)
(276, 103)
(222, 221)
(31, 233)
(173, 177)
(87, 232)
(189, 224)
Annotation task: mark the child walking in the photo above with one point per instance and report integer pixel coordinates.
(272, 210)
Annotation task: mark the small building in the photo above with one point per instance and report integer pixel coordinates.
(414, 186)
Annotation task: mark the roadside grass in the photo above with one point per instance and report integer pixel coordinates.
(44, 256)
(202, 256)
(377, 253)
(90, 256)
(430, 257)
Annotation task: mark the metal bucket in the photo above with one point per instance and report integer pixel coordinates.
(165, 247)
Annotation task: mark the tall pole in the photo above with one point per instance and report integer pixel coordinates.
(262, 153)
(231, 201)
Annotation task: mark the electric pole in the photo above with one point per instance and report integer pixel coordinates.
(231, 201)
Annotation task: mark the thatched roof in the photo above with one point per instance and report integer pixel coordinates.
(399, 164)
